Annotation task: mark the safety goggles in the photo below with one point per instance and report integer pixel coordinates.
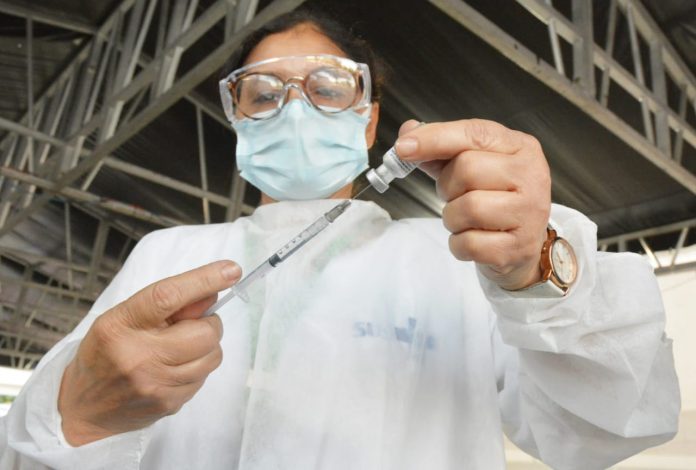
(329, 83)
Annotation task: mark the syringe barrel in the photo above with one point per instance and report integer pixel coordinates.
(298, 241)
(391, 167)
(307, 234)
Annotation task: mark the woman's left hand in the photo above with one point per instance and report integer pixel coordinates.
(497, 188)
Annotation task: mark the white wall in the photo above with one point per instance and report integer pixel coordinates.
(679, 295)
(11, 382)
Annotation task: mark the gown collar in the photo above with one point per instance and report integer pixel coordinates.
(286, 214)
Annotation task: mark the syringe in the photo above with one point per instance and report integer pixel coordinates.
(379, 178)
(239, 289)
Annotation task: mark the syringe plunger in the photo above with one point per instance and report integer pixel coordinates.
(392, 167)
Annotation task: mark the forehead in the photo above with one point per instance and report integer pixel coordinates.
(303, 39)
(298, 66)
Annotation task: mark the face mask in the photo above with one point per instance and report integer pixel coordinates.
(302, 153)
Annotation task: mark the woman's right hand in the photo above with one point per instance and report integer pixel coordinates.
(146, 357)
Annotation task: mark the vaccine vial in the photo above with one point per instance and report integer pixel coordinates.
(392, 167)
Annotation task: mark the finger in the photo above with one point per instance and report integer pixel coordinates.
(189, 340)
(177, 396)
(483, 210)
(155, 303)
(445, 140)
(194, 310)
(195, 370)
(408, 126)
(433, 168)
(486, 247)
(475, 169)
(185, 392)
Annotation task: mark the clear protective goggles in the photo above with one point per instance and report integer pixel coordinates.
(329, 83)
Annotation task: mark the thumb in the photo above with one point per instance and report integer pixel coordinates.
(152, 306)
(408, 126)
(431, 168)
(194, 310)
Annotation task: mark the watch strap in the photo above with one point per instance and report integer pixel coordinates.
(540, 290)
(547, 288)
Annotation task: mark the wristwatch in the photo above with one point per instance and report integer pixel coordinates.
(559, 268)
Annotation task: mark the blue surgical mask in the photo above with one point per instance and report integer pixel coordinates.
(302, 153)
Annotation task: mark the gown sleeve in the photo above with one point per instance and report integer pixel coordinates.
(31, 435)
(587, 380)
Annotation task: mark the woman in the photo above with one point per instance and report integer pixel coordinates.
(377, 347)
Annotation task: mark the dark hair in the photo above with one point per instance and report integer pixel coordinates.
(351, 43)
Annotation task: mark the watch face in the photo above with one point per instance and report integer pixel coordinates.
(563, 259)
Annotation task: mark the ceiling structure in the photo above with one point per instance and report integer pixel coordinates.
(110, 125)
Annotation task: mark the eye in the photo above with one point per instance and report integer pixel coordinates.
(327, 92)
(331, 87)
(265, 97)
(259, 90)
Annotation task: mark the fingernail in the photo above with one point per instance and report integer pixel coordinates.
(406, 146)
(231, 272)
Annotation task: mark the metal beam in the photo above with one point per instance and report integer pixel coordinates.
(59, 83)
(138, 25)
(649, 252)
(147, 76)
(168, 63)
(131, 231)
(60, 320)
(73, 68)
(239, 13)
(530, 62)
(638, 72)
(609, 51)
(90, 73)
(40, 336)
(76, 148)
(622, 77)
(652, 32)
(556, 46)
(30, 86)
(677, 268)
(51, 275)
(168, 182)
(68, 243)
(583, 47)
(39, 259)
(51, 17)
(97, 254)
(202, 163)
(659, 85)
(135, 37)
(59, 291)
(236, 199)
(28, 274)
(680, 244)
(89, 198)
(20, 354)
(650, 232)
(126, 167)
(178, 90)
(668, 264)
(236, 19)
(29, 132)
(197, 100)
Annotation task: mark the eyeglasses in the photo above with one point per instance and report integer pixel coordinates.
(329, 83)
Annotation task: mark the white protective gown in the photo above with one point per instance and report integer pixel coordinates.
(374, 348)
